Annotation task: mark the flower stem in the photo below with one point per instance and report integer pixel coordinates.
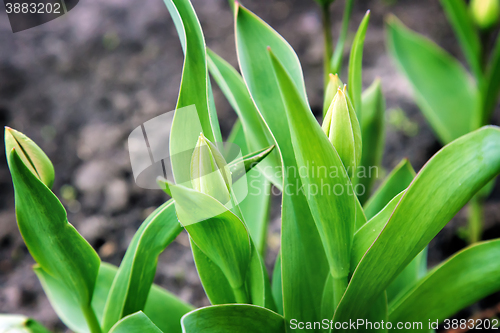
(339, 288)
(475, 220)
(240, 294)
(327, 36)
(91, 319)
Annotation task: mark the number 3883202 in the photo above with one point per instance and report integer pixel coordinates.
(478, 324)
(33, 8)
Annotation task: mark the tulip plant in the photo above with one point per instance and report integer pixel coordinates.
(453, 102)
(342, 266)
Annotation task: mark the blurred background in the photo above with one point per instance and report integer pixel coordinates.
(80, 84)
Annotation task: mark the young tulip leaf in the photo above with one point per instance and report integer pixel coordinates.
(32, 156)
(441, 188)
(398, 180)
(163, 308)
(338, 53)
(355, 83)
(137, 270)
(135, 323)
(195, 89)
(443, 89)
(257, 134)
(303, 262)
(372, 133)
(333, 214)
(462, 280)
(249, 161)
(52, 241)
(234, 318)
(468, 38)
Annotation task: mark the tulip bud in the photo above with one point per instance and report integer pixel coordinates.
(485, 12)
(331, 89)
(32, 156)
(209, 171)
(342, 128)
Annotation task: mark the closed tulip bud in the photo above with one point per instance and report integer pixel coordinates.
(485, 12)
(209, 171)
(32, 156)
(331, 89)
(342, 128)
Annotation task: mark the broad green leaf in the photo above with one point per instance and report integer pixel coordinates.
(355, 82)
(491, 87)
(368, 233)
(398, 180)
(373, 135)
(257, 134)
(32, 156)
(135, 323)
(415, 270)
(338, 52)
(334, 214)
(213, 280)
(468, 38)
(164, 309)
(255, 207)
(223, 238)
(52, 241)
(137, 270)
(20, 324)
(218, 233)
(460, 281)
(195, 90)
(443, 89)
(441, 188)
(303, 262)
(233, 318)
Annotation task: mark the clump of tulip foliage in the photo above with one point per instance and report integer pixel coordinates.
(345, 256)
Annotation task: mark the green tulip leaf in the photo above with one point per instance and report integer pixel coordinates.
(195, 90)
(372, 133)
(441, 188)
(303, 262)
(135, 323)
(467, 277)
(468, 38)
(398, 180)
(334, 214)
(233, 318)
(492, 83)
(355, 61)
(52, 241)
(164, 309)
(136, 273)
(338, 53)
(443, 89)
(257, 134)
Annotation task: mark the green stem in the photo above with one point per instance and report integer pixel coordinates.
(475, 220)
(327, 36)
(91, 319)
(240, 294)
(339, 288)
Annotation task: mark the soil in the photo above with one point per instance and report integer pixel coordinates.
(80, 84)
